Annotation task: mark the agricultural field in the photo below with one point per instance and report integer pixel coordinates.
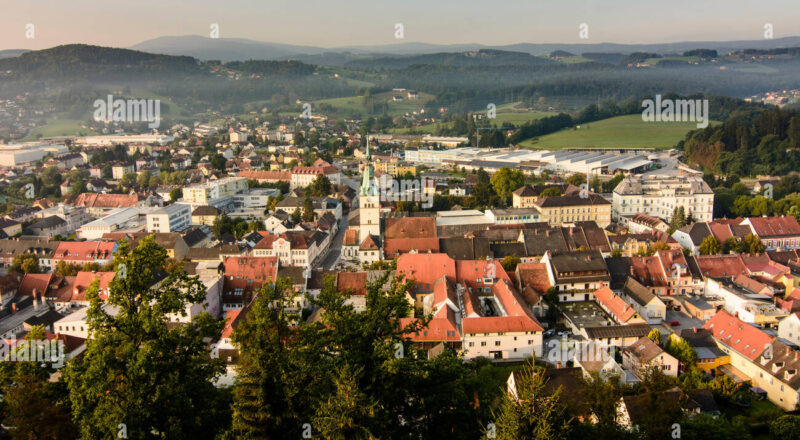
(620, 132)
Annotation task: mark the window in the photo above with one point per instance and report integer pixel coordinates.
(483, 343)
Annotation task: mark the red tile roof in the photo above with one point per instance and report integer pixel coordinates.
(352, 283)
(534, 275)
(774, 226)
(84, 279)
(747, 340)
(96, 200)
(615, 305)
(266, 176)
(39, 282)
(721, 266)
(426, 268)
(84, 250)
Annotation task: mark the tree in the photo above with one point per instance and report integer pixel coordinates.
(785, 427)
(655, 336)
(576, 179)
(681, 350)
(752, 244)
(128, 180)
(175, 194)
(532, 413)
(601, 395)
(77, 188)
(550, 192)
(616, 252)
(139, 371)
(732, 245)
(321, 186)
(36, 333)
(347, 412)
(222, 225)
(35, 408)
(26, 263)
(710, 246)
(308, 210)
(506, 180)
(64, 269)
(296, 216)
(143, 179)
(218, 161)
(678, 219)
(510, 263)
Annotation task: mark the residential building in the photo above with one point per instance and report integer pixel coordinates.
(205, 215)
(304, 176)
(576, 275)
(645, 354)
(243, 278)
(294, 248)
(172, 218)
(776, 233)
(82, 252)
(119, 170)
(645, 302)
(658, 196)
(574, 207)
(214, 192)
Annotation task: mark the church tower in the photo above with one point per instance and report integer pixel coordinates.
(369, 202)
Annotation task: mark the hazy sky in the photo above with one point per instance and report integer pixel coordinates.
(331, 23)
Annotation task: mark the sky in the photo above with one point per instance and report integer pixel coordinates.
(332, 23)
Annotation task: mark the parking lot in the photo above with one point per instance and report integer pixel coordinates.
(685, 321)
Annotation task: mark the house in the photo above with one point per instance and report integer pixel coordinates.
(576, 275)
(42, 248)
(665, 273)
(99, 205)
(776, 233)
(789, 328)
(82, 252)
(644, 354)
(49, 227)
(620, 311)
(305, 176)
(768, 363)
(644, 301)
(205, 215)
(294, 248)
(10, 227)
(243, 278)
(615, 335)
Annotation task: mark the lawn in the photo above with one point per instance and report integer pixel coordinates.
(619, 132)
(60, 127)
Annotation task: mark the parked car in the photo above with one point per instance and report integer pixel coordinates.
(674, 323)
(549, 333)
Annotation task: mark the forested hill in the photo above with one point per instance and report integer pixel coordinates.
(479, 58)
(79, 59)
(751, 141)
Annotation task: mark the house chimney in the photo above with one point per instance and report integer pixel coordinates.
(13, 308)
(788, 350)
(694, 329)
(631, 270)
(558, 365)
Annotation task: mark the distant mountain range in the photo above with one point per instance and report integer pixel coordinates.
(238, 49)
